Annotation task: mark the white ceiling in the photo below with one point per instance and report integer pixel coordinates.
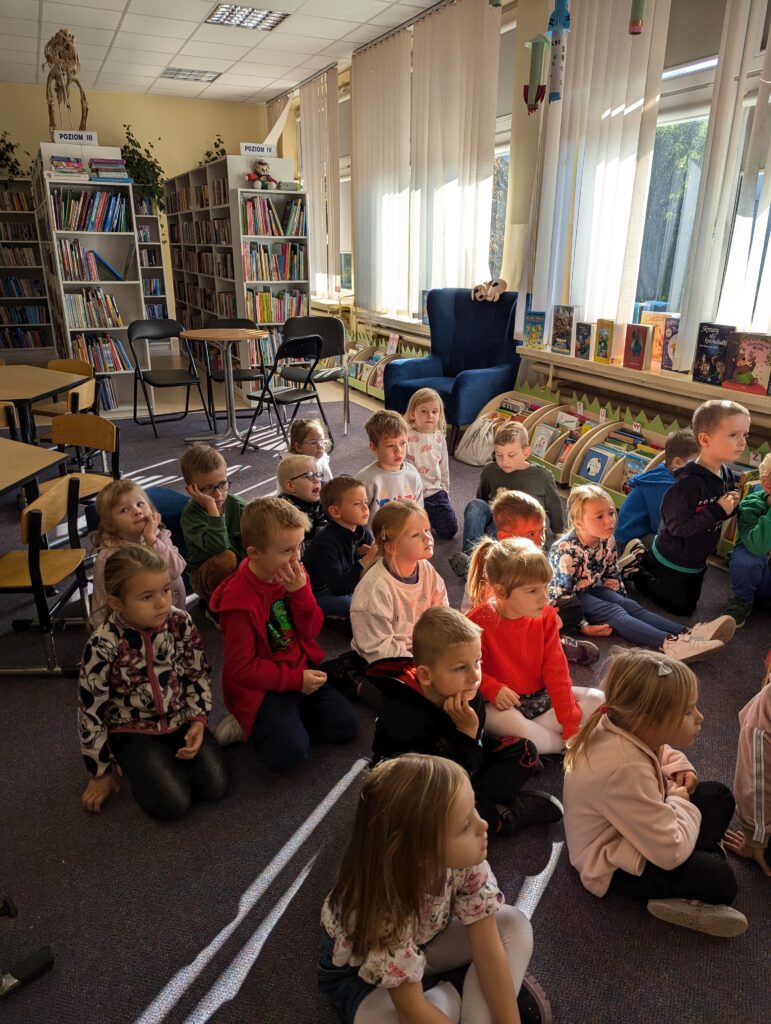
(124, 45)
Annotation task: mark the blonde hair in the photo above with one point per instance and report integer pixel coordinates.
(334, 490)
(385, 424)
(511, 432)
(106, 502)
(437, 631)
(391, 520)
(263, 518)
(642, 688)
(764, 469)
(422, 397)
(711, 414)
(294, 465)
(396, 851)
(510, 505)
(579, 496)
(126, 563)
(511, 563)
(199, 460)
(300, 429)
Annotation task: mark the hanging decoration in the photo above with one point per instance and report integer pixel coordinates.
(535, 91)
(559, 26)
(64, 64)
(637, 17)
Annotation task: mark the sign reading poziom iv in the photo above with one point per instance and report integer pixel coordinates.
(258, 149)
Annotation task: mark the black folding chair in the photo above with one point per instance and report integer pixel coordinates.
(306, 349)
(163, 330)
(331, 330)
(241, 374)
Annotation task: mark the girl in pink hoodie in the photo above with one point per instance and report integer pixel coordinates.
(637, 821)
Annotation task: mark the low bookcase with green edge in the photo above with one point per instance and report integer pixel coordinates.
(561, 463)
(151, 267)
(539, 400)
(366, 367)
(651, 432)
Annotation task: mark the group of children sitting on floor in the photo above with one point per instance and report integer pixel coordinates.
(467, 704)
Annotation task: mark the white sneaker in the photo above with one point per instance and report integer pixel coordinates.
(633, 551)
(710, 918)
(722, 628)
(228, 731)
(686, 647)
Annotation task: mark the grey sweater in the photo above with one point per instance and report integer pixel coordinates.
(535, 481)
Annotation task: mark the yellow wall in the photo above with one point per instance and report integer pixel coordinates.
(186, 127)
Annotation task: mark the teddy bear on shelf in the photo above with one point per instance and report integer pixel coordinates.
(260, 176)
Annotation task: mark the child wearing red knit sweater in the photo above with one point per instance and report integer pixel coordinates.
(525, 673)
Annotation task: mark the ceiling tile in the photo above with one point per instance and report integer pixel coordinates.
(227, 35)
(176, 87)
(28, 9)
(181, 10)
(223, 92)
(266, 70)
(110, 77)
(365, 34)
(202, 63)
(323, 28)
(294, 44)
(90, 64)
(315, 63)
(83, 34)
(278, 58)
(18, 73)
(107, 5)
(391, 18)
(169, 27)
(410, 10)
(339, 51)
(92, 50)
(201, 49)
(282, 84)
(138, 59)
(353, 10)
(71, 14)
(249, 82)
(25, 44)
(21, 57)
(18, 27)
(133, 41)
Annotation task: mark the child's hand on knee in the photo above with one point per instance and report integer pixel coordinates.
(506, 698)
(312, 680)
(97, 791)
(595, 629)
(193, 741)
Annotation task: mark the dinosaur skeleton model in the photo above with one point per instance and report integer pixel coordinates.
(64, 63)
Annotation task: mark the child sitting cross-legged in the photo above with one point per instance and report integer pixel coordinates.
(342, 550)
(277, 696)
(525, 674)
(434, 707)
(749, 564)
(299, 481)
(390, 476)
(585, 564)
(637, 820)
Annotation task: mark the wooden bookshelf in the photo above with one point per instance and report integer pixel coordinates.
(26, 333)
(562, 471)
(613, 477)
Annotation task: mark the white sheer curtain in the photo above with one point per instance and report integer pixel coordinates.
(454, 96)
(321, 166)
(380, 164)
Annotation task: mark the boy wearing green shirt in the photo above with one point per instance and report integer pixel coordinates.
(749, 565)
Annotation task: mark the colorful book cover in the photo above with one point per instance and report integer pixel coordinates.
(562, 329)
(657, 323)
(543, 435)
(637, 347)
(535, 330)
(709, 361)
(603, 346)
(670, 355)
(584, 339)
(748, 363)
(596, 463)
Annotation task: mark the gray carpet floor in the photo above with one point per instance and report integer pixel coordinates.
(128, 904)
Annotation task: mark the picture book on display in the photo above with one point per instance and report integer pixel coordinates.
(584, 340)
(534, 330)
(603, 345)
(709, 361)
(637, 347)
(562, 329)
(543, 435)
(597, 462)
(670, 357)
(748, 363)
(657, 323)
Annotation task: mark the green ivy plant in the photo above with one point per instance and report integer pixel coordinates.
(9, 161)
(216, 152)
(143, 166)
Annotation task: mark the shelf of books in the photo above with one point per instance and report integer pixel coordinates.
(564, 432)
(528, 405)
(617, 452)
(26, 334)
(238, 251)
(367, 361)
(151, 269)
(84, 210)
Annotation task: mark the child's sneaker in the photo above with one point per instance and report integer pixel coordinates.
(580, 652)
(710, 918)
(534, 807)
(633, 552)
(533, 1004)
(739, 611)
(722, 628)
(459, 564)
(686, 648)
(228, 731)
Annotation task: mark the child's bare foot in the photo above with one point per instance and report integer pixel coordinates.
(596, 630)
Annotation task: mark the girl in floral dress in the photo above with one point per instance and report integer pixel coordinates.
(416, 905)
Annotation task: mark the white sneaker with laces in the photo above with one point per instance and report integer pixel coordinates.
(710, 918)
(722, 628)
(633, 551)
(686, 647)
(228, 731)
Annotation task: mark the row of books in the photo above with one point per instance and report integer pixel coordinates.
(152, 286)
(267, 348)
(105, 352)
(108, 169)
(193, 295)
(201, 232)
(92, 307)
(107, 398)
(267, 308)
(636, 453)
(220, 191)
(22, 315)
(144, 233)
(17, 337)
(12, 201)
(66, 168)
(21, 287)
(156, 310)
(149, 258)
(90, 211)
(200, 196)
(279, 262)
(226, 304)
(568, 426)
(736, 360)
(144, 206)
(14, 231)
(517, 409)
(259, 216)
(80, 264)
(179, 201)
(18, 256)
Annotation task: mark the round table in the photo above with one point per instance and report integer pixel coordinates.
(222, 338)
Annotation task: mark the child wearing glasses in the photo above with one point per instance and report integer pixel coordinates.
(211, 520)
(308, 437)
(299, 481)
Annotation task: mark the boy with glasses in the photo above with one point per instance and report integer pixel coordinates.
(211, 520)
(299, 481)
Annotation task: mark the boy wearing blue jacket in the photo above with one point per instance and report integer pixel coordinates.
(640, 514)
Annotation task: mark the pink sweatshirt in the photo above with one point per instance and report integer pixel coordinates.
(618, 813)
(752, 783)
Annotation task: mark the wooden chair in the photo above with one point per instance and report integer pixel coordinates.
(38, 569)
(78, 399)
(87, 435)
(9, 421)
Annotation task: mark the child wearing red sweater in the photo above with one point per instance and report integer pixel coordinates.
(525, 673)
(270, 621)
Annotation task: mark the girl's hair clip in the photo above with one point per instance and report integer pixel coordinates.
(664, 669)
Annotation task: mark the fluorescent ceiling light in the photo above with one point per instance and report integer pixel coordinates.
(190, 74)
(690, 69)
(246, 17)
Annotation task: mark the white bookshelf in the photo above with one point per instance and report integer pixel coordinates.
(118, 248)
(151, 265)
(26, 333)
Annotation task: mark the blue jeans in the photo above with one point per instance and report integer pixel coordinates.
(338, 606)
(477, 521)
(629, 619)
(750, 574)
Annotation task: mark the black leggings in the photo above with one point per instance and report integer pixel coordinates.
(163, 785)
(706, 875)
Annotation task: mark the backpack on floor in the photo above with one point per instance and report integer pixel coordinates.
(475, 448)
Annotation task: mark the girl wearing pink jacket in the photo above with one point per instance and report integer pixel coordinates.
(637, 821)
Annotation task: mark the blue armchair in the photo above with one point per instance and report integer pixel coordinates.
(473, 356)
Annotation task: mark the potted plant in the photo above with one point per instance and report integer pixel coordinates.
(143, 166)
(216, 152)
(10, 167)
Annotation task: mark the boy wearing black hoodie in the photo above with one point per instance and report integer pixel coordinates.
(694, 509)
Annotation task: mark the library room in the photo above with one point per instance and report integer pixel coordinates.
(385, 511)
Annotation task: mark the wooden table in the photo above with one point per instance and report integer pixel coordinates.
(23, 385)
(20, 464)
(222, 338)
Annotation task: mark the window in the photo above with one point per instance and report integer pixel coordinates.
(498, 214)
(669, 217)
